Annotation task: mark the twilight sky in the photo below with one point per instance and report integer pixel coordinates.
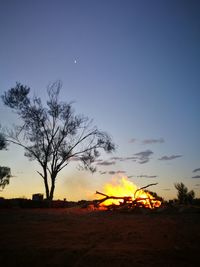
(132, 66)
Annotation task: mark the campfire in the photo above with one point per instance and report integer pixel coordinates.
(125, 194)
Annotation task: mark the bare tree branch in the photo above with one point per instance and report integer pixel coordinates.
(52, 134)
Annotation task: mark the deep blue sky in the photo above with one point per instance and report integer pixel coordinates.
(132, 66)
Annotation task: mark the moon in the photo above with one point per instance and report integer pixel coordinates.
(75, 61)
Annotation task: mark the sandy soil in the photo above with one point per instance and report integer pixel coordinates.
(78, 237)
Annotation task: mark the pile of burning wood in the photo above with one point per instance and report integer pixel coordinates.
(140, 198)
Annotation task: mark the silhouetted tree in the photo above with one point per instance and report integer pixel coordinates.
(52, 134)
(5, 172)
(183, 195)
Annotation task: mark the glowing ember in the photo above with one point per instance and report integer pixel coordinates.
(123, 190)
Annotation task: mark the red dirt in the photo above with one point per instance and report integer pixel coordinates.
(78, 237)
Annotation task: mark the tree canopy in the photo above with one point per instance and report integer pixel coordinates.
(184, 196)
(52, 134)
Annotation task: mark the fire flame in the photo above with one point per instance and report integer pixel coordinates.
(126, 189)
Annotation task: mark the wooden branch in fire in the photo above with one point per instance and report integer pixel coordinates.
(112, 197)
(128, 200)
(141, 188)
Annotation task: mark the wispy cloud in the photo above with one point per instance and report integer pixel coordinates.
(147, 176)
(153, 141)
(145, 153)
(117, 158)
(143, 161)
(112, 172)
(170, 157)
(123, 158)
(132, 140)
(143, 156)
(102, 172)
(116, 172)
(121, 171)
(105, 163)
(196, 177)
(130, 158)
(196, 170)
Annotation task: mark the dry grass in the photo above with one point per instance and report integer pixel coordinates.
(78, 237)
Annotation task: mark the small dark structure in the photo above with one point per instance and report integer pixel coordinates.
(37, 197)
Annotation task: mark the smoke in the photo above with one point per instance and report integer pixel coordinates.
(78, 186)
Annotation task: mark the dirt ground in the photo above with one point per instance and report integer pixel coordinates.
(80, 237)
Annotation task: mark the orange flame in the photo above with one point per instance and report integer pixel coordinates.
(125, 188)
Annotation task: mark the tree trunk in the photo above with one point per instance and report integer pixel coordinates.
(53, 178)
(46, 188)
(46, 183)
(52, 191)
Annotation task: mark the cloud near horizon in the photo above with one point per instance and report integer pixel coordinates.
(170, 157)
(196, 170)
(105, 162)
(196, 177)
(147, 176)
(117, 158)
(112, 172)
(153, 141)
(102, 172)
(123, 158)
(116, 172)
